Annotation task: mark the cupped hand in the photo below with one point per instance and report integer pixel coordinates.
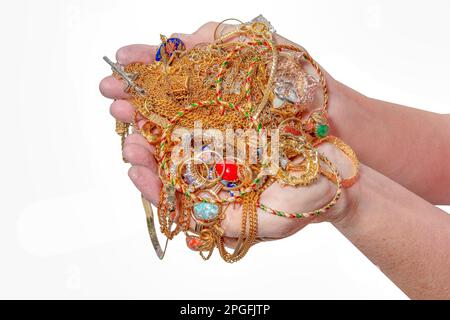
(143, 172)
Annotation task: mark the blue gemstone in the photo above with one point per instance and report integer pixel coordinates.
(211, 174)
(228, 184)
(170, 46)
(206, 211)
(231, 185)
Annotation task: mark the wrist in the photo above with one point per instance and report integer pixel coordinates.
(345, 104)
(347, 206)
(355, 198)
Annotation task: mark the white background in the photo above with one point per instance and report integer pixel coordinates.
(71, 224)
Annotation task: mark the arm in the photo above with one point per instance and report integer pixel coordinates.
(405, 236)
(407, 145)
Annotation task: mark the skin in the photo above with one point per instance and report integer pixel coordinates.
(405, 144)
(396, 228)
(405, 236)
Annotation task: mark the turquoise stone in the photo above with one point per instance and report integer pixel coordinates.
(206, 211)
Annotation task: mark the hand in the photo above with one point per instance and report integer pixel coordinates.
(289, 199)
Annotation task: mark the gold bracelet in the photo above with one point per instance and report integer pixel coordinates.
(351, 155)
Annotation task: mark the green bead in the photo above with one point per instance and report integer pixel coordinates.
(322, 130)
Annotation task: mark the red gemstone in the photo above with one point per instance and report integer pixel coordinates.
(228, 171)
(193, 243)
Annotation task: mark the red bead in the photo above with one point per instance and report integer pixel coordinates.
(228, 171)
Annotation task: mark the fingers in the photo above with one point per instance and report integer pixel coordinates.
(139, 156)
(137, 138)
(337, 157)
(136, 53)
(122, 110)
(146, 182)
(230, 243)
(231, 224)
(139, 152)
(188, 39)
(113, 88)
(205, 34)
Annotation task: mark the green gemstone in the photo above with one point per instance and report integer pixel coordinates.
(322, 130)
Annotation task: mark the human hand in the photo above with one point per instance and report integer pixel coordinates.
(144, 175)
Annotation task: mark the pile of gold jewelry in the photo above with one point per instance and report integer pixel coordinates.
(243, 81)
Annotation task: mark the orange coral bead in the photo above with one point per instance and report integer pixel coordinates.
(193, 243)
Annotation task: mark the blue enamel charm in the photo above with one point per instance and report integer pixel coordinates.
(169, 46)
